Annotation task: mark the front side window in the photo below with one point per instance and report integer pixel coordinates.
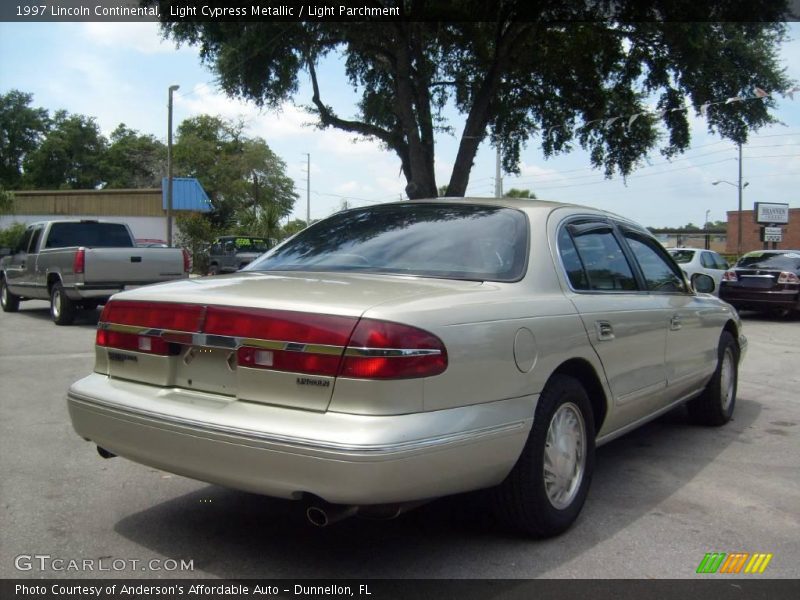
(452, 241)
(22, 245)
(659, 274)
(708, 261)
(37, 233)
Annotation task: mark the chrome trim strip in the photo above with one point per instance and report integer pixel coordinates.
(391, 352)
(261, 436)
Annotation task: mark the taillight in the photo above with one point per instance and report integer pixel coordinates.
(187, 261)
(79, 261)
(385, 350)
(132, 341)
(729, 276)
(156, 315)
(787, 277)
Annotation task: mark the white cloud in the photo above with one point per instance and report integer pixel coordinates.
(142, 37)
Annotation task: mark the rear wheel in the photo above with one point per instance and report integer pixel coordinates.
(544, 493)
(8, 301)
(715, 405)
(62, 309)
(213, 270)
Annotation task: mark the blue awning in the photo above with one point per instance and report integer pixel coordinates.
(187, 194)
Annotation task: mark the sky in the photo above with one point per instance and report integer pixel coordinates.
(120, 73)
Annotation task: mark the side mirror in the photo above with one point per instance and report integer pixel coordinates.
(703, 284)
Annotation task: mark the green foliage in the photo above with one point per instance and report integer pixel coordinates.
(246, 181)
(70, 157)
(133, 160)
(21, 130)
(515, 193)
(516, 70)
(195, 233)
(6, 201)
(292, 227)
(10, 236)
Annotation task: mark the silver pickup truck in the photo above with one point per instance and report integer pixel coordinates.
(80, 264)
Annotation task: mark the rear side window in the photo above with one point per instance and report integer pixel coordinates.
(708, 261)
(603, 266)
(91, 235)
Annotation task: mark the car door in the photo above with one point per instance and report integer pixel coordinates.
(17, 268)
(626, 326)
(689, 344)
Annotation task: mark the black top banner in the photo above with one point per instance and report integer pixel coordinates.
(545, 11)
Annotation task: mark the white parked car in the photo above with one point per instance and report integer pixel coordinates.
(694, 261)
(397, 353)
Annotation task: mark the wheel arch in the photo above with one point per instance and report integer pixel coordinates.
(585, 373)
(52, 279)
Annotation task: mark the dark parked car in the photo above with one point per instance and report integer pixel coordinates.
(764, 280)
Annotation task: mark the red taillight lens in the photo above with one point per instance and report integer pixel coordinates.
(79, 261)
(132, 341)
(385, 350)
(279, 325)
(158, 315)
(729, 276)
(187, 261)
(787, 277)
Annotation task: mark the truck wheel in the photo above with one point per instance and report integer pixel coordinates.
(544, 493)
(62, 309)
(715, 405)
(213, 270)
(8, 301)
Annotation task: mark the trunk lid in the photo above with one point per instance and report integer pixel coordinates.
(328, 303)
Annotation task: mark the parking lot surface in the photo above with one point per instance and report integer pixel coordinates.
(661, 498)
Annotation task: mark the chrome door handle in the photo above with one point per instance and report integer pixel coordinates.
(675, 323)
(604, 330)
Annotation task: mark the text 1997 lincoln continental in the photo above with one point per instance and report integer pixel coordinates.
(398, 353)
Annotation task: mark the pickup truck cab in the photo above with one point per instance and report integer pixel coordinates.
(231, 253)
(80, 264)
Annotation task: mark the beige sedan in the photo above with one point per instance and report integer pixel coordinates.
(393, 354)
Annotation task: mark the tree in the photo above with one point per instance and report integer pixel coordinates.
(70, 156)
(515, 193)
(557, 71)
(292, 227)
(6, 201)
(133, 160)
(21, 130)
(244, 179)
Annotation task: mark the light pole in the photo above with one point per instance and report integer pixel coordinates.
(705, 223)
(498, 178)
(308, 189)
(172, 88)
(740, 187)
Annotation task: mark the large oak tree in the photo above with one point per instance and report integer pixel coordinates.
(557, 71)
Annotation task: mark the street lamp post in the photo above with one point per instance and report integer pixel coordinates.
(172, 88)
(740, 186)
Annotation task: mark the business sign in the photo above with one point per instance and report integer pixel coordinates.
(771, 234)
(771, 214)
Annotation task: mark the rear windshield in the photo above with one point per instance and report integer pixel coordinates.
(785, 261)
(91, 235)
(452, 241)
(682, 256)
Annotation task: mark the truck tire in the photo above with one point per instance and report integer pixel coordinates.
(213, 270)
(62, 309)
(9, 301)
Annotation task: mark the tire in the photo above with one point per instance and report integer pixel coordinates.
(213, 270)
(529, 500)
(8, 301)
(714, 407)
(62, 309)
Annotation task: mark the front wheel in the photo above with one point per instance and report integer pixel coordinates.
(545, 491)
(8, 301)
(715, 405)
(62, 309)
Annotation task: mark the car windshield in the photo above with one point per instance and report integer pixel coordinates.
(452, 241)
(682, 256)
(251, 244)
(785, 261)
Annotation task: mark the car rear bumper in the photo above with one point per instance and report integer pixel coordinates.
(760, 299)
(284, 452)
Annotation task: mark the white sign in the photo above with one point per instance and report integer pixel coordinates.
(773, 234)
(772, 213)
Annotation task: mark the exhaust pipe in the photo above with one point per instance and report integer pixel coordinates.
(324, 515)
(105, 453)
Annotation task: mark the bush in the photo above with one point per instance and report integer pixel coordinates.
(195, 233)
(10, 236)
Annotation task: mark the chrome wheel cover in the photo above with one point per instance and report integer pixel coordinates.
(4, 294)
(564, 455)
(727, 379)
(57, 303)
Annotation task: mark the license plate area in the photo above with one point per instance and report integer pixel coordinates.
(759, 282)
(207, 370)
